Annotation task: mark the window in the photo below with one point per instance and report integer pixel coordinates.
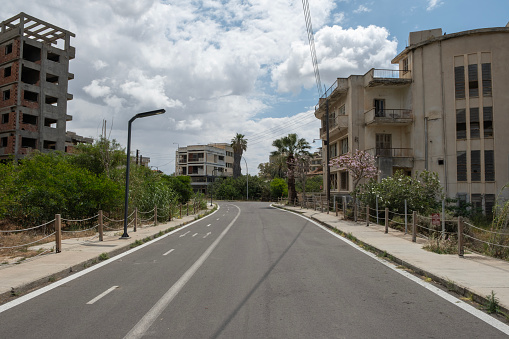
(29, 119)
(8, 49)
(334, 181)
(487, 117)
(344, 181)
(384, 145)
(379, 107)
(461, 124)
(7, 71)
(48, 144)
(475, 132)
(53, 57)
(473, 83)
(51, 100)
(30, 96)
(333, 150)
(405, 65)
(3, 142)
(486, 79)
(48, 122)
(28, 142)
(489, 203)
(459, 82)
(477, 203)
(489, 165)
(5, 118)
(52, 78)
(461, 166)
(344, 145)
(475, 165)
(6, 94)
(342, 110)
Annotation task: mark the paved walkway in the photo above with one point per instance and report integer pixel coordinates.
(474, 274)
(76, 255)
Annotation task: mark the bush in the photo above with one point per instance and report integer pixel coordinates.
(278, 188)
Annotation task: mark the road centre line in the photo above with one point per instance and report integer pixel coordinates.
(206, 235)
(453, 300)
(183, 235)
(169, 251)
(102, 295)
(194, 235)
(65, 280)
(148, 319)
(209, 225)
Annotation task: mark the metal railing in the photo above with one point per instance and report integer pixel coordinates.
(390, 73)
(391, 152)
(391, 115)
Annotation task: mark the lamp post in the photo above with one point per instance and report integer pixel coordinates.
(247, 180)
(126, 204)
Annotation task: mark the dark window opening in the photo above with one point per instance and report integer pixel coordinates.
(461, 124)
(47, 144)
(52, 78)
(51, 100)
(459, 81)
(28, 142)
(30, 96)
(473, 83)
(475, 165)
(6, 95)
(3, 142)
(50, 123)
(7, 71)
(8, 49)
(405, 65)
(379, 107)
(29, 76)
(489, 165)
(29, 119)
(475, 132)
(53, 57)
(489, 203)
(487, 117)
(31, 53)
(461, 166)
(344, 181)
(476, 203)
(486, 79)
(5, 118)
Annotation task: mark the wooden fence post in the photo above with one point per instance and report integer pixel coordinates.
(135, 219)
(155, 215)
(367, 215)
(58, 233)
(460, 237)
(336, 210)
(414, 226)
(355, 211)
(100, 228)
(344, 208)
(386, 220)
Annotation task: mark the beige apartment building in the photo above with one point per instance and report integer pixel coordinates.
(445, 109)
(203, 163)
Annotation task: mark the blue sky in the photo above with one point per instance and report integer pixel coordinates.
(221, 67)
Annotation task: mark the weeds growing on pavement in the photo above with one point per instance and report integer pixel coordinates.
(492, 303)
(104, 256)
(441, 246)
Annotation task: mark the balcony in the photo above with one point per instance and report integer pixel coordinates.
(387, 77)
(393, 117)
(398, 157)
(338, 126)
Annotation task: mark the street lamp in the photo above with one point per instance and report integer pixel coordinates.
(247, 180)
(126, 205)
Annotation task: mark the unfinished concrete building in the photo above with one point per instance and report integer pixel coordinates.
(34, 75)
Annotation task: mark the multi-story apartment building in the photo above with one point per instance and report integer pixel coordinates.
(34, 75)
(203, 163)
(444, 110)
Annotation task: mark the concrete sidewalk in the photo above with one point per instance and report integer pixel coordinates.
(76, 255)
(474, 274)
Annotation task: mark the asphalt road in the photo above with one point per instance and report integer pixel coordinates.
(246, 271)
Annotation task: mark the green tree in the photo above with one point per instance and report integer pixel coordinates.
(182, 186)
(278, 188)
(239, 144)
(290, 146)
(103, 156)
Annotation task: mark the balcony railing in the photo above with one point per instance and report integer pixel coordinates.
(340, 121)
(391, 152)
(390, 73)
(390, 116)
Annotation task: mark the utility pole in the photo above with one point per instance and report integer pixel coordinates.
(137, 154)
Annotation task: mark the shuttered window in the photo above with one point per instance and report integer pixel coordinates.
(473, 81)
(489, 203)
(459, 82)
(475, 132)
(461, 166)
(489, 165)
(486, 79)
(487, 117)
(461, 124)
(475, 165)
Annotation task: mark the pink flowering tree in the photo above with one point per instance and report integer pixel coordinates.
(360, 164)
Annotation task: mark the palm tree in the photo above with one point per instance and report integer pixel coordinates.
(290, 146)
(239, 145)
